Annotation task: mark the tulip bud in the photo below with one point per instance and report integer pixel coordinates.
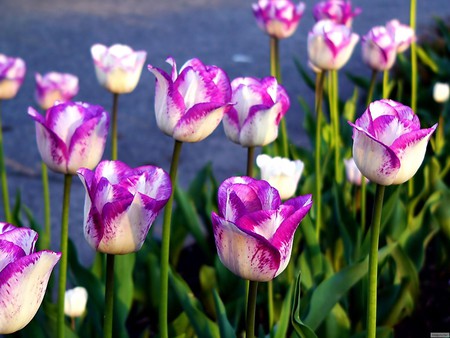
(12, 73)
(379, 49)
(354, 176)
(54, 87)
(75, 302)
(339, 11)
(441, 92)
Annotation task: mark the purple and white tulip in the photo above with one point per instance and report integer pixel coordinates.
(260, 104)
(118, 68)
(388, 144)
(253, 230)
(71, 135)
(339, 11)
(121, 204)
(354, 176)
(12, 73)
(330, 45)
(54, 87)
(190, 105)
(24, 275)
(281, 173)
(379, 49)
(403, 35)
(278, 18)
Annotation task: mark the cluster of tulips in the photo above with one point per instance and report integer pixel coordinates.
(256, 219)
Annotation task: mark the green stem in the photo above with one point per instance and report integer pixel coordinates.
(165, 244)
(373, 262)
(385, 84)
(114, 127)
(109, 297)
(363, 203)
(253, 290)
(64, 253)
(47, 212)
(335, 122)
(4, 179)
(318, 108)
(371, 87)
(412, 24)
(250, 161)
(270, 303)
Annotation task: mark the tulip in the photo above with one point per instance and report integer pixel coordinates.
(281, 173)
(118, 67)
(75, 302)
(12, 73)
(388, 144)
(278, 18)
(330, 45)
(339, 11)
(403, 35)
(260, 106)
(54, 87)
(71, 135)
(24, 275)
(354, 176)
(441, 92)
(190, 105)
(121, 204)
(253, 230)
(379, 49)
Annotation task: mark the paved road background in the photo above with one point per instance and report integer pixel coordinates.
(57, 36)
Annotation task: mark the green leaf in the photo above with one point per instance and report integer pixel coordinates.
(331, 290)
(426, 59)
(203, 326)
(303, 330)
(281, 328)
(382, 332)
(304, 74)
(226, 330)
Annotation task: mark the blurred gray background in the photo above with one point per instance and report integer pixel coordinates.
(57, 36)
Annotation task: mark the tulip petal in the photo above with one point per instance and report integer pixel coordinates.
(375, 160)
(5, 227)
(25, 238)
(261, 125)
(410, 149)
(53, 150)
(247, 255)
(88, 143)
(231, 125)
(199, 121)
(9, 252)
(169, 104)
(22, 288)
(223, 192)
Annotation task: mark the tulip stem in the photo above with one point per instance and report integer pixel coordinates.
(165, 244)
(47, 211)
(371, 87)
(385, 84)
(64, 252)
(275, 71)
(114, 127)
(251, 309)
(270, 303)
(4, 179)
(412, 24)
(373, 262)
(109, 297)
(318, 108)
(250, 160)
(335, 122)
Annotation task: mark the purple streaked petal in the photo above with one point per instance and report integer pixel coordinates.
(52, 149)
(169, 104)
(156, 184)
(22, 288)
(5, 227)
(261, 125)
(410, 149)
(247, 255)
(88, 144)
(375, 160)
(231, 124)
(267, 195)
(113, 171)
(9, 252)
(23, 237)
(241, 200)
(225, 188)
(199, 121)
(262, 222)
